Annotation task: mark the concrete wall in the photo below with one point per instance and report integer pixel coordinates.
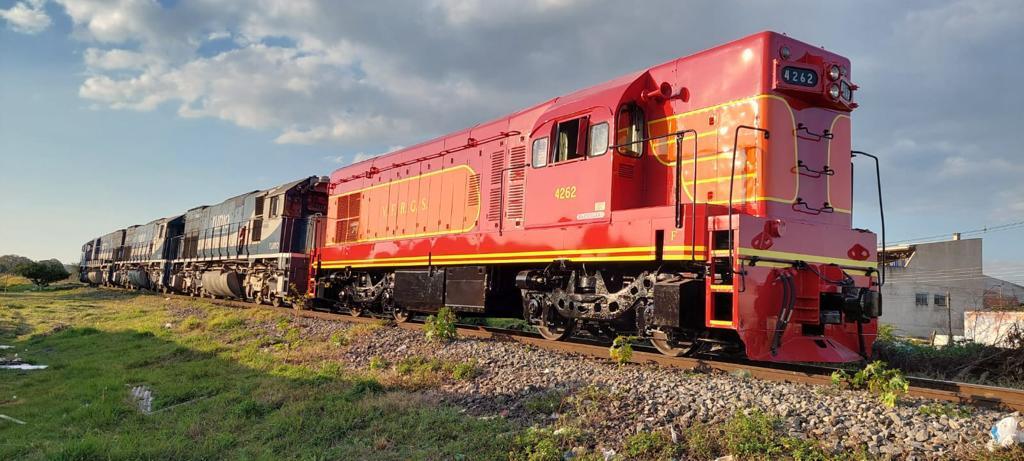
(992, 327)
(933, 269)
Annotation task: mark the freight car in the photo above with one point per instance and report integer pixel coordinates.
(702, 203)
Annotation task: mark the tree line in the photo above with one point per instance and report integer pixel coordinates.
(40, 273)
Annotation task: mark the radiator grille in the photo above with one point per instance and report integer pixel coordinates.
(626, 170)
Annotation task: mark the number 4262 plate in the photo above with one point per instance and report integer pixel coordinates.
(798, 76)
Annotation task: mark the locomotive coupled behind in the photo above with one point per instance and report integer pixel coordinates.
(704, 203)
(255, 246)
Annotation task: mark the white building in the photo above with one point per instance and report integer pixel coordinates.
(928, 286)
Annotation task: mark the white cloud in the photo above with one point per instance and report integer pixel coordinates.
(118, 59)
(27, 17)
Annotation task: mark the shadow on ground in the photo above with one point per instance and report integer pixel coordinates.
(207, 405)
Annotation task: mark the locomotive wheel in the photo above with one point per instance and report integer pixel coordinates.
(556, 331)
(401, 315)
(550, 325)
(355, 310)
(275, 301)
(669, 344)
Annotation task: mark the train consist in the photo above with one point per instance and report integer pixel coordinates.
(704, 203)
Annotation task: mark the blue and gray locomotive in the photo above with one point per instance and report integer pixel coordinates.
(254, 246)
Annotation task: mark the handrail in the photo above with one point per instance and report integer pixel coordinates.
(732, 179)
(881, 211)
(679, 135)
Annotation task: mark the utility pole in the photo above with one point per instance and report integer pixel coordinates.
(949, 314)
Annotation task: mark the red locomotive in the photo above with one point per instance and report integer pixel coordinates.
(702, 203)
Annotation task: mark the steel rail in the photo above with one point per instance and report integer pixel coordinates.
(962, 393)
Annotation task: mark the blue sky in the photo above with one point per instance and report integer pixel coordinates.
(117, 112)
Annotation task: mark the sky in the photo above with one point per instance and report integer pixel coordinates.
(118, 112)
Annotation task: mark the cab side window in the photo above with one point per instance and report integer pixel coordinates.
(540, 152)
(598, 139)
(630, 130)
(569, 140)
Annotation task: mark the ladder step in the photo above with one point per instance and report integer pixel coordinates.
(721, 287)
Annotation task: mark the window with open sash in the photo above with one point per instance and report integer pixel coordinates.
(630, 130)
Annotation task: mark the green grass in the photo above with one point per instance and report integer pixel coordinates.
(219, 393)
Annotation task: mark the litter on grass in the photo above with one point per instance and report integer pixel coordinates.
(23, 366)
(13, 420)
(143, 398)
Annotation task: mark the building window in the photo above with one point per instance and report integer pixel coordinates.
(921, 299)
(540, 152)
(940, 300)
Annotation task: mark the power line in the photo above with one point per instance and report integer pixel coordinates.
(982, 230)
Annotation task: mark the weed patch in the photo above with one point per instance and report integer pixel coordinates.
(546, 402)
(441, 327)
(621, 350)
(225, 322)
(650, 445)
(887, 383)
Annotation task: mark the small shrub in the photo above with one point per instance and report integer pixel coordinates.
(621, 349)
(545, 402)
(649, 445)
(945, 409)
(702, 441)
(363, 387)
(753, 434)
(377, 363)
(226, 322)
(339, 338)
(441, 327)
(465, 370)
(250, 408)
(191, 323)
(292, 335)
(416, 364)
(886, 333)
(536, 444)
(887, 383)
(329, 371)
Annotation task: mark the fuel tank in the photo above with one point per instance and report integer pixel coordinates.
(138, 278)
(223, 283)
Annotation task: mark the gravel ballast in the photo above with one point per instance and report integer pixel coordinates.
(657, 398)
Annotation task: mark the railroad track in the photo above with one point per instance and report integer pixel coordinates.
(951, 391)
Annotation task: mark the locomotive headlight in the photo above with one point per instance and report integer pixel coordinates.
(784, 52)
(833, 72)
(833, 91)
